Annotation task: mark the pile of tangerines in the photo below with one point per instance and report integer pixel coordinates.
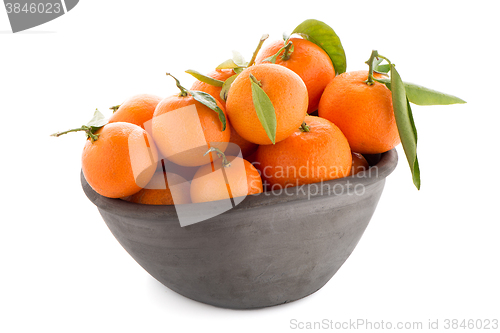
(287, 110)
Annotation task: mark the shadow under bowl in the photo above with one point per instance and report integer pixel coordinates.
(272, 248)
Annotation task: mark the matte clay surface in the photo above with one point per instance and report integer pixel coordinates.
(269, 250)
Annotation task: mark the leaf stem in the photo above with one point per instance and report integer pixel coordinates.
(254, 55)
(184, 91)
(388, 61)
(272, 59)
(225, 162)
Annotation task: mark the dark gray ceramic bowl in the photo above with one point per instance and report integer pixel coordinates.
(269, 250)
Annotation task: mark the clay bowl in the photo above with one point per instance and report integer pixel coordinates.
(272, 248)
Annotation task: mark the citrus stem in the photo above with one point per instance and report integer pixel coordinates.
(114, 108)
(370, 80)
(225, 162)
(288, 51)
(83, 128)
(254, 55)
(183, 90)
(254, 79)
(86, 129)
(374, 56)
(304, 127)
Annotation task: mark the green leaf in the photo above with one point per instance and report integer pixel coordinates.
(424, 96)
(416, 168)
(406, 126)
(272, 59)
(385, 68)
(209, 101)
(238, 70)
(264, 109)
(226, 86)
(97, 121)
(228, 64)
(377, 61)
(385, 81)
(325, 37)
(238, 59)
(204, 78)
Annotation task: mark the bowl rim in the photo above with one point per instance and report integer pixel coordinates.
(384, 167)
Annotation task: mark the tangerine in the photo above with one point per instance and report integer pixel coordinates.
(184, 129)
(308, 60)
(318, 151)
(121, 161)
(363, 112)
(287, 93)
(138, 110)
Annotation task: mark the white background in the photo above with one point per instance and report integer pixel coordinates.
(429, 254)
